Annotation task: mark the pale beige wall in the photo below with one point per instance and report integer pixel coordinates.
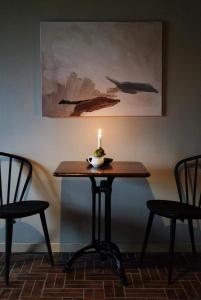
(157, 141)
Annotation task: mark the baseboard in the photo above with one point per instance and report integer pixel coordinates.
(67, 247)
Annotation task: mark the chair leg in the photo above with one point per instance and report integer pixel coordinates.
(8, 246)
(148, 230)
(190, 226)
(47, 239)
(171, 249)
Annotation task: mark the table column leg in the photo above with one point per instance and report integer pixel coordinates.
(112, 249)
(93, 191)
(107, 189)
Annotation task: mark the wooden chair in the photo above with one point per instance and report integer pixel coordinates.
(15, 175)
(188, 180)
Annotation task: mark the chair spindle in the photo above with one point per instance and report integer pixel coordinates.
(18, 181)
(186, 181)
(25, 185)
(9, 180)
(1, 196)
(195, 182)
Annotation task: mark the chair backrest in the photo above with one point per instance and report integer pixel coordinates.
(15, 174)
(188, 180)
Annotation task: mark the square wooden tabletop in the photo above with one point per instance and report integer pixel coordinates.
(115, 169)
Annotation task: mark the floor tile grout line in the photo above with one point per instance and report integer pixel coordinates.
(55, 280)
(141, 279)
(33, 287)
(42, 290)
(22, 289)
(193, 288)
(184, 290)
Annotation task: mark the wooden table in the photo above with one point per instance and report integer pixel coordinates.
(105, 247)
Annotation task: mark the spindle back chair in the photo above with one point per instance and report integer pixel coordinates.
(188, 181)
(15, 177)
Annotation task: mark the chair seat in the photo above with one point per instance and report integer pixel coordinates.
(22, 209)
(173, 209)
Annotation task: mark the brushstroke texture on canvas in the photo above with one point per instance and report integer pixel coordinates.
(101, 68)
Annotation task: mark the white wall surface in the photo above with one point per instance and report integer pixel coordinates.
(156, 141)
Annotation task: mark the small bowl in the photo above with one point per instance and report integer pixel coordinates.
(107, 161)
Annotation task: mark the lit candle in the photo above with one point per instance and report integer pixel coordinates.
(99, 137)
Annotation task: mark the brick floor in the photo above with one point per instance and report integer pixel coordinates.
(32, 278)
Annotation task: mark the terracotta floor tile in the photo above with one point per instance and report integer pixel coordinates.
(33, 278)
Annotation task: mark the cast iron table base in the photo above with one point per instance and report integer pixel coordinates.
(103, 247)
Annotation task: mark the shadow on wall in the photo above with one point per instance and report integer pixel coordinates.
(129, 214)
(46, 186)
(24, 232)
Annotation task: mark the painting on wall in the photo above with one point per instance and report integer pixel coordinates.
(101, 69)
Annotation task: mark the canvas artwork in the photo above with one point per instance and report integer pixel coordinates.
(101, 69)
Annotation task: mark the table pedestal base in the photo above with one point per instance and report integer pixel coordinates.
(104, 250)
(103, 247)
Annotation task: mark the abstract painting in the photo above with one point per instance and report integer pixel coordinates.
(101, 69)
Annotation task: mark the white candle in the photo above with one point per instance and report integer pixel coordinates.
(99, 137)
